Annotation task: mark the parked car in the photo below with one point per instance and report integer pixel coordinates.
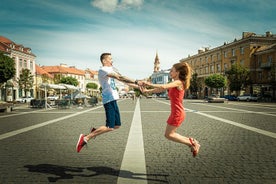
(255, 97)
(215, 99)
(248, 97)
(192, 96)
(24, 99)
(230, 97)
(52, 97)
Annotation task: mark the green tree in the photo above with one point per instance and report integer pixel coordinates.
(57, 78)
(92, 85)
(215, 81)
(7, 69)
(238, 77)
(69, 80)
(25, 80)
(195, 83)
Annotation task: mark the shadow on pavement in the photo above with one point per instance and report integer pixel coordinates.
(61, 172)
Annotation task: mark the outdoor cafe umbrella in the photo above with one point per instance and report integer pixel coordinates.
(51, 86)
(46, 86)
(71, 88)
(80, 95)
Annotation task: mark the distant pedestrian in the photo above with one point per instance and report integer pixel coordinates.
(181, 75)
(110, 95)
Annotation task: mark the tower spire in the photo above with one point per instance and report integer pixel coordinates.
(156, 63)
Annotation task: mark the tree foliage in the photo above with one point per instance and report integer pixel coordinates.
(195, 83)
(57, 78)
(92, 85)
(7, 69)
(25, 80)
(238, 77)
(215, 81)
(69, 80)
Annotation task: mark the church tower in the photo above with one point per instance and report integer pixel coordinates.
(156, 63)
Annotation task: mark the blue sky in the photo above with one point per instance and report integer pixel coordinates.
(76, 32)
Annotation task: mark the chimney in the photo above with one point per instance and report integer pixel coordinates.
(247, 34)
(268, 34)
(63, 65)
(200, 51)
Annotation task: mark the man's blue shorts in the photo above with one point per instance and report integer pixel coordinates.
(112, 114)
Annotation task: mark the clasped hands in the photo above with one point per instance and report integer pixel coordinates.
(142, 85)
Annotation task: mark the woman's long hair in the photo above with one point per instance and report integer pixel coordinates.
(185, 73)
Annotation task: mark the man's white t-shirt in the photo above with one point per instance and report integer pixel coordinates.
(109, 91)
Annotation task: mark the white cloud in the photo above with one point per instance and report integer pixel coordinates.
(112, 5)
(105, 5)
(131, 3)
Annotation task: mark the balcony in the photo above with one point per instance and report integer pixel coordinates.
(266, 65)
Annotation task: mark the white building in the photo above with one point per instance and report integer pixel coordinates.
(160, 76)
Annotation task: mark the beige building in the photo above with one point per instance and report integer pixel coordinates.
(24, 58)
(41, 76)
(255, 52)
(63, 70)
(91, 76)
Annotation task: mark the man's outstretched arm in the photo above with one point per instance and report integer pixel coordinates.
(123, 78)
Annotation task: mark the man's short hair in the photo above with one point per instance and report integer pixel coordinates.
(104, 55)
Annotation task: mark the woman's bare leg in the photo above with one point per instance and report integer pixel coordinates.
(171, 134)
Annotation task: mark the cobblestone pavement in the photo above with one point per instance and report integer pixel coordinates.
(238, 144)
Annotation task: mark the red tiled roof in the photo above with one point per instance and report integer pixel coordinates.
(93, 72)
(6, 44)
(63, 70)
(3, 48)
(40, 71)
(5, 40)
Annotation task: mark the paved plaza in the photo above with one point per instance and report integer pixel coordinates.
(238, 144)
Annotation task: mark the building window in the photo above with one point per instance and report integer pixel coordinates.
(206, 59)
(211, 57)
(259, 62)
(242, 50)
(233, 52)
(269, 75)
(260, 75)
(212, 68)
(225, 66)
(206, 70)
(242, 62)
(20, 63)
(225, 54)
(218, 56)
(31, 65)
(269, 59)
(25, 64)
(218, 68)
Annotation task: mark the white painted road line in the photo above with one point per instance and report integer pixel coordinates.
(133, 168)
(260, 131)
(26, 129)
(240, 110)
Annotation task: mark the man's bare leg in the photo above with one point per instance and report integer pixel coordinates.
(99, 131)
